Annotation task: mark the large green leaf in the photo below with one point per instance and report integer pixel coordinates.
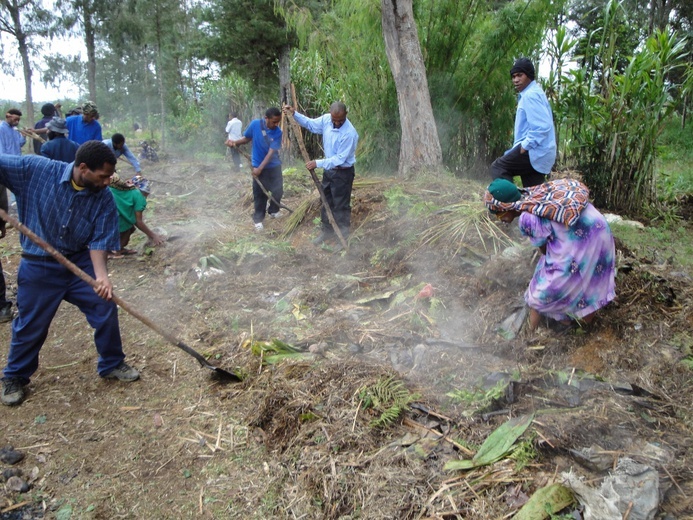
(496, 446)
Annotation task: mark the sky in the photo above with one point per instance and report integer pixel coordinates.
(12, 87)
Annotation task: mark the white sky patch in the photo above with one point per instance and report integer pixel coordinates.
(12, 87)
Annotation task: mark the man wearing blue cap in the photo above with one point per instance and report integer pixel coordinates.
(534, 148)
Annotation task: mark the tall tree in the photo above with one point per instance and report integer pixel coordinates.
(248, 37)
(87, 12)
(24, 20)
(89, 16)
(420, 147)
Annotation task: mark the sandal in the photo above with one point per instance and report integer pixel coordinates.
(128, 251)
(115, 255)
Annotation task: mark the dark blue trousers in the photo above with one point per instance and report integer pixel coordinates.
(273, 181)
(41, 286)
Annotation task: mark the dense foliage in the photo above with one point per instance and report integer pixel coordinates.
(614, 73)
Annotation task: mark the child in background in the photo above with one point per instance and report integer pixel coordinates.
(131, 201)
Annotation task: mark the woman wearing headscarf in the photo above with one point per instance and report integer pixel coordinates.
(575, 277)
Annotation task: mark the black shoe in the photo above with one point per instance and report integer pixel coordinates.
(337, 247)
(6, 313)
(12, 392)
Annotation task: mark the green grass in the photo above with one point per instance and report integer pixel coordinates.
(666, 238)
(658, 244)
(675, 160)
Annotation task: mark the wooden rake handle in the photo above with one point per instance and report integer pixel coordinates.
(262, 186)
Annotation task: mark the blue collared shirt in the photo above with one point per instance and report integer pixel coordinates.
(11, 141)
(70, 220)
(339, 143)
(534, 128)
(126, 152)
(81, 132)
(263, 139)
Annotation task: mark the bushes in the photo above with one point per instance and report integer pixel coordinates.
(610, 117)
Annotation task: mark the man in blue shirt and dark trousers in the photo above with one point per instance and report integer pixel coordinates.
(266, 137)
(339, 141)
(534, 148)
(68, 206)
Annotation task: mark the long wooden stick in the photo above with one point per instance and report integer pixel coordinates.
(26, 132)
(262, 186)
(297, 130)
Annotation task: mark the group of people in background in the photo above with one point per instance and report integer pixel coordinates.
(339, 139)
(576, 274)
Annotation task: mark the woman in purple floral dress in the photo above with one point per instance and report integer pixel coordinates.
(575, 277)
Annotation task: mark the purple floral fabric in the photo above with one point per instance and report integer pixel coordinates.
(577, 275)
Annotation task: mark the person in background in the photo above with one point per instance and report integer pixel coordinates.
(85, 127)
(266, 137)
(534, 147)
(46, 192)
(575, 276)
(58, 147)
(233, 130)
(117, 144)
(49, 110)
(339, 141)
(11, 141)
(131, 201)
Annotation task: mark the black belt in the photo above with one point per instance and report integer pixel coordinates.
(46, 258)
(342, 167)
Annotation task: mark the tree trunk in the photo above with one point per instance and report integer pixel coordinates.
(158, 32)
(26, 66)
(419, 146)
(147, 104)
(285, 75)
(162, 97)
(18, 32)
(87, 14)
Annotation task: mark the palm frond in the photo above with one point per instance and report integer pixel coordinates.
(298, 216)
(466, 225)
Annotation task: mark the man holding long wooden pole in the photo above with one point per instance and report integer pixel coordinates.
(339, 140)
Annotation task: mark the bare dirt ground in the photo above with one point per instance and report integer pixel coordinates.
(305, 437)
